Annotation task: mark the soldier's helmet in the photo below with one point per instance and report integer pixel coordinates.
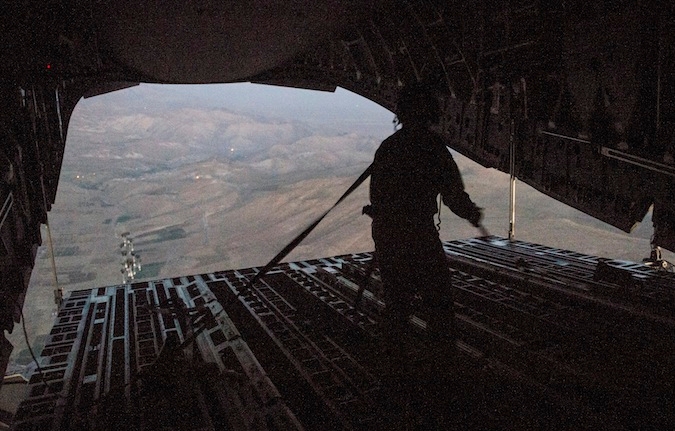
(418, 103)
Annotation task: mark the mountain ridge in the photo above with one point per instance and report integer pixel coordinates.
(207, 189)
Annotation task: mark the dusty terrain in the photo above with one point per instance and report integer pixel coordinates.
(206, 189)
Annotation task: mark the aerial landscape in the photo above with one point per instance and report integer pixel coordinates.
(222, 178)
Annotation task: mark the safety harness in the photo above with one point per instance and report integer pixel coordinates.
(298, 239)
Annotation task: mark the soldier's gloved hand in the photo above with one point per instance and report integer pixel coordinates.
(483, 231)
(476, 217)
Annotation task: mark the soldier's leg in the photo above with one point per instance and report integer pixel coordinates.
(438, 299)
(436, 372)
(395, 326)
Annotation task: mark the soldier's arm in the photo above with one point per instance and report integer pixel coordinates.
(452, 190)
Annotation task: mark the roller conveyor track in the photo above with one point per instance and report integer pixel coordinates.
(565, 349)
(611, 337)
(625, 284)
(335, 376)
(557, 345)
(570, 346)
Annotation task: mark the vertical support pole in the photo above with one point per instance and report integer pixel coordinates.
(58, 291)
(44, 117)
(512, 188)
(58, 113)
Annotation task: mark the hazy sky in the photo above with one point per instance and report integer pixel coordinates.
(334, 112)
(339, 110)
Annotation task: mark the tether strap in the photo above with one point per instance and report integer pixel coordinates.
(298, 239)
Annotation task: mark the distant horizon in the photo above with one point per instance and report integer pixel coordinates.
(337, 112)
(155, 160)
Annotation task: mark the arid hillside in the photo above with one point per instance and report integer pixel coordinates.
(204, 188)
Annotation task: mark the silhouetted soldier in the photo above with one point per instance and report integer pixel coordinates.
(411, 168)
